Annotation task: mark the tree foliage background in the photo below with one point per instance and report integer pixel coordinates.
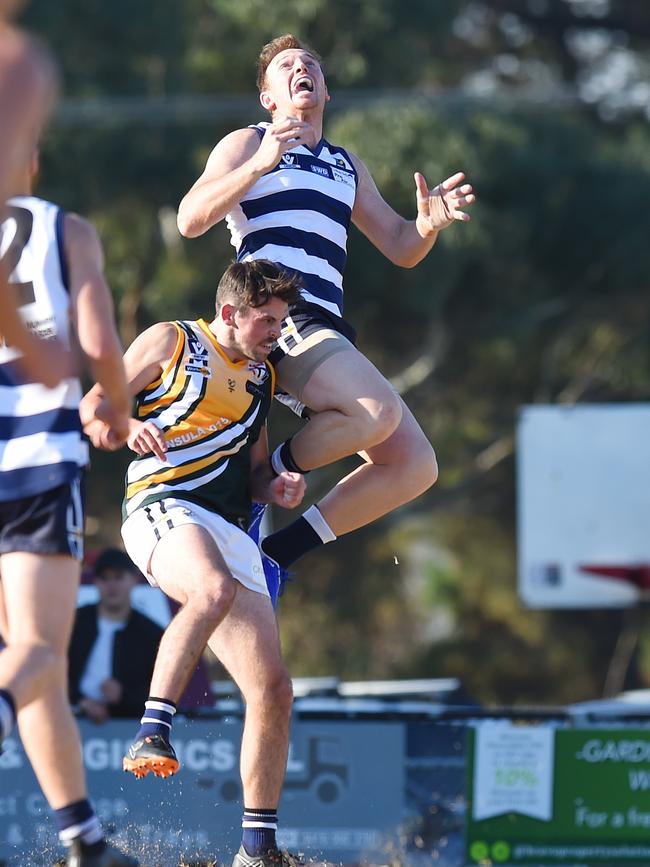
(543, 297)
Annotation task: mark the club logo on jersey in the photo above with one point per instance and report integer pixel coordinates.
(341, 163)
(196, 347)
(197, 358)
(258, 371)
(290, 161)
(345, 177)
(320, 170)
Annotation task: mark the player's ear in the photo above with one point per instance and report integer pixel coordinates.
(267, 101)
(227, 314)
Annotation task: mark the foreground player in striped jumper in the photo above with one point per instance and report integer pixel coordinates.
(203, 391)
(56, 265)
(289, 195)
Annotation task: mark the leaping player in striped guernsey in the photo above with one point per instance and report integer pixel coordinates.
(203, 391)
(289, 195)
(55, 262)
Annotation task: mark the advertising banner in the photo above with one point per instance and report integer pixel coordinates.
(544, 795)
(343, 798)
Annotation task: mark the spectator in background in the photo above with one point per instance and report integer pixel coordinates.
(113, 647)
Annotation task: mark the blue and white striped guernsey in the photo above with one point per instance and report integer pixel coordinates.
(41, 445)
(298, 215)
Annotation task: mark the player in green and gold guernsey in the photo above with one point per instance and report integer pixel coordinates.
(203, 391)
(209, 409)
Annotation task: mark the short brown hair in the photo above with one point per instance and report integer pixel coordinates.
(280, 43)
(254, 283)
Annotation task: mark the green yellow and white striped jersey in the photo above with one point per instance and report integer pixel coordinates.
(211, 411)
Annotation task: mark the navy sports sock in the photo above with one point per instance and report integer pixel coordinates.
(258, 831)
(307, 533)
(282, 460)
(157, 718)
(7, 713)
(78, 821)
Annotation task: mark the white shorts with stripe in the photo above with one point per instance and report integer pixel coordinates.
(143, 530)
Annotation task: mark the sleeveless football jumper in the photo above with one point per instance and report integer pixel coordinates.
(41, 444)
(298, 216)
(211, 410)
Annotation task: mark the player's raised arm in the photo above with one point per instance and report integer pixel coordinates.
(235, 164)
(407, 242)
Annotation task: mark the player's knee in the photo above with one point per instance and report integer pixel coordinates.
(431, 467)
(422, 465)
(43, 658)
(382, 419)
(216, 600)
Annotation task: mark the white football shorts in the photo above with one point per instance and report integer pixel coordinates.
(143, 530)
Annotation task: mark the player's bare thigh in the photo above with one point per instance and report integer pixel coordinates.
(39, 596)
(334, 377)
(182, 575)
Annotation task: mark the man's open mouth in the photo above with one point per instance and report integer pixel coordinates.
(303, 84)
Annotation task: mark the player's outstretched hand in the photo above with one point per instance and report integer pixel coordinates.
(288, 489)
(144, 438)
(442, 206)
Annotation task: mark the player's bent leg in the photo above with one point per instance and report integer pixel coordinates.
(247, 644)
(395, 472)
(205, 590)
(352, 407)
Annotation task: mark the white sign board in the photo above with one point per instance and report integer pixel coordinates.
(513, 771)
(583, 502)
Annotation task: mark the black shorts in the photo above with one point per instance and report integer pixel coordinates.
(306, 318)
(310, 334)
(48, 523)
